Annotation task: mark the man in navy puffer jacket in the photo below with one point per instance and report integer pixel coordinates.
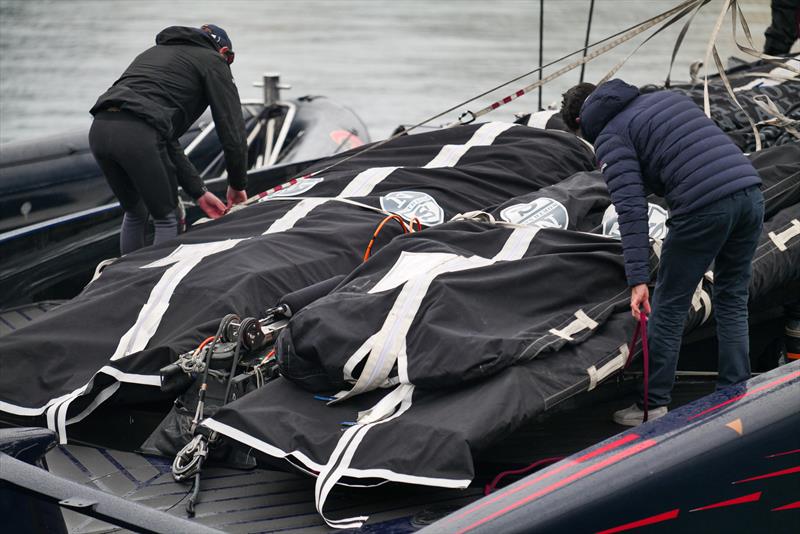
(663, 143)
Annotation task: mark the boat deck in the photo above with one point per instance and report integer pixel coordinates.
(262, 500)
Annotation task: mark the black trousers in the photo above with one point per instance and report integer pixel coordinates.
(135, 162)
(783, 32)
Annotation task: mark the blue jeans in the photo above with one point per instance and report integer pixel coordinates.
(726, 233)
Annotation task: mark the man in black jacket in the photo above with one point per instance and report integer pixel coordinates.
(138, 121)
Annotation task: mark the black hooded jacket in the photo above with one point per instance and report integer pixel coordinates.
(169, 86)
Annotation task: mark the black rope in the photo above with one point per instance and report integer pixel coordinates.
(586, 41)
(541, 48)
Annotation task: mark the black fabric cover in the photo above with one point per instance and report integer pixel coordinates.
(577, 203)
(444, 429)
(472, 323)
(476, 375)
(776, 272)
(779, 168)
(61, 354)
(483, 358)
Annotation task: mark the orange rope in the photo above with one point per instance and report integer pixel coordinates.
(205, 342)
(380, 227)
(269, 355)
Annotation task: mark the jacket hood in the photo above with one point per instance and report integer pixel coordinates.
(604, 104)
(185, 35)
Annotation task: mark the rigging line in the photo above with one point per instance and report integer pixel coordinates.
(586, 41)
(726, 82)
(712, 51)
(666, 25)
(541, 48)
(597, 52)
(709, 49)
(679, 42)
(657, 18)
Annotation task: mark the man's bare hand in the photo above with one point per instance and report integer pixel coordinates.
(235, 197)
(211, 205)
(640, 298)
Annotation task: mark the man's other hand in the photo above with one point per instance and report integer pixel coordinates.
(211, 205)
(640, 298)
(235, 197)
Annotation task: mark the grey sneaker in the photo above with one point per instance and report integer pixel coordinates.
(633, 415)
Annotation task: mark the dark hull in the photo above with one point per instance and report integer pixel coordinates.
(689, 472)
(725, 463)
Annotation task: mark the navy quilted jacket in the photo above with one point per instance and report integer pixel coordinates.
(658, 143)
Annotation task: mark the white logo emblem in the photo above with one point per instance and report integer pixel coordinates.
(411, 204)
(540, 213)
(657, 221)
(296, 189)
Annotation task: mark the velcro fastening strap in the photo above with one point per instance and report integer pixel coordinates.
(581, 322)
(615, 364)
(782, 238)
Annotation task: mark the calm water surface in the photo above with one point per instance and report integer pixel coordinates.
(393, 62)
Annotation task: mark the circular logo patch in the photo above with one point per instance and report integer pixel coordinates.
(540, 213)
(411, 204)
(656, 216)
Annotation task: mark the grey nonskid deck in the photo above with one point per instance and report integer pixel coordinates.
(14, 318)
(236, 501)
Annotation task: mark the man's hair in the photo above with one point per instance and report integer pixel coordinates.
(573, 100)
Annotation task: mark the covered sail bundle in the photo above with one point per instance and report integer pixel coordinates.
(577, 203)
(154, 304)
(447, 340)
(768, 93)
(451, 338)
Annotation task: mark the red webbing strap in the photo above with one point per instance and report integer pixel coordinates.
(489, 488)
(641, 330)
(645, 353)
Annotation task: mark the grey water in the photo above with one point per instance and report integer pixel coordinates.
(392, 61)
